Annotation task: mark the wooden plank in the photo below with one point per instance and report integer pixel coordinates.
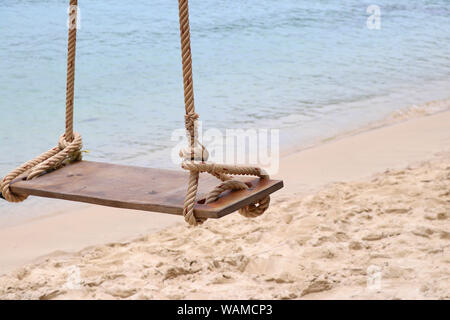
(139, 188)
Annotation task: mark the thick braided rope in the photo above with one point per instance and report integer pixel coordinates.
(49, 160)
(195, 156)
(186, 59)
(255, 209)
(71, 51)
(214, 168)
(69, 144)
(251, 211)
(68, 151)
(191, 116)
(224, 186)
(7, 194)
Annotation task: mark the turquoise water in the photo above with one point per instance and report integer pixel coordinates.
(314, 66)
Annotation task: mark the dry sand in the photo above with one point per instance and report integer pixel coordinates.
(370, 235)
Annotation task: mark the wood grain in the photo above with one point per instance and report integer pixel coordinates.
(139, 188)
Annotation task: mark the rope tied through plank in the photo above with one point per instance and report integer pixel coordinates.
(69, 144)
(50, 160)
(196, 156)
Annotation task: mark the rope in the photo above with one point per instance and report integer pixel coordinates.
(224, 186)
(251, 211)
(195, 158)
(69, 144)
(71, 50)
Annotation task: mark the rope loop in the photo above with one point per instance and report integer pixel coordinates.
(62, 142)
(190, 120)
(67, 152)
(222, 172)
(224, 186)
(251, 211)
(52, 159)
(255, 209)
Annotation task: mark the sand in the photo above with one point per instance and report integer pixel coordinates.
(361, 216)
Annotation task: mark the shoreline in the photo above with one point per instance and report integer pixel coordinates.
(384, 235)
(398, 116)
(93, 225)
(403, 114)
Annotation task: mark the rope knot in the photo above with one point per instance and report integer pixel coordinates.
(62, 142)
(49, 160)
(198, 153)
(74, 146)
(64, 153)
(252, 210)
(189, 121)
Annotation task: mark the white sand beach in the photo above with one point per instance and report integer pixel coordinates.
(362, 216)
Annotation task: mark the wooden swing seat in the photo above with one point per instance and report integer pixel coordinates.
(139, 188)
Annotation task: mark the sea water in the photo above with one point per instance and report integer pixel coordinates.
(308, 68)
